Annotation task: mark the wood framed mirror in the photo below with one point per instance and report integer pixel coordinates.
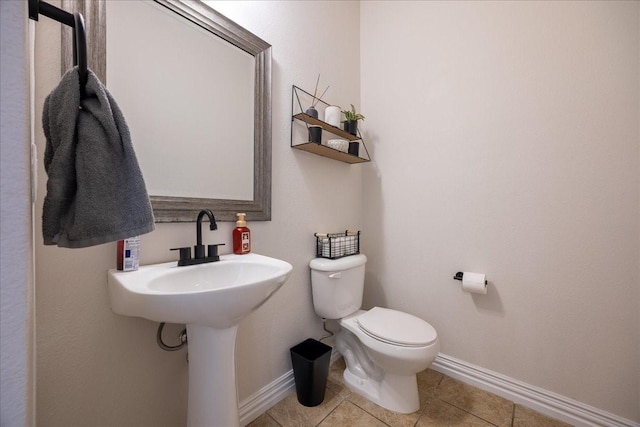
(185, 207)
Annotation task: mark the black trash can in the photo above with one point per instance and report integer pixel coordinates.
(310, 360)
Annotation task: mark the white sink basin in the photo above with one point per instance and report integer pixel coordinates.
(217, 294)
(210, 299)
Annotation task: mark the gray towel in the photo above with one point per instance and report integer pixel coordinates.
(95, 191)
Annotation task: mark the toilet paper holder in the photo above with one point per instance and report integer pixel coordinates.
(459, 275)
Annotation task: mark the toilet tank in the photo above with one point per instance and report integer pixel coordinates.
(337, 285)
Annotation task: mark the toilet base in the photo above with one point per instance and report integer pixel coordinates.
(397, 393)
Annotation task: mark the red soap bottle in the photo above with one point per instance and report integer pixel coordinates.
(241, 236)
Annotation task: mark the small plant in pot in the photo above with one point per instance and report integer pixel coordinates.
(351, 126)
(351, 120)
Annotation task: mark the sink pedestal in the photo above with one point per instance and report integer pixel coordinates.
(213, 399)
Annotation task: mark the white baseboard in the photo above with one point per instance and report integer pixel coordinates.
(258, 403)
(540, 400)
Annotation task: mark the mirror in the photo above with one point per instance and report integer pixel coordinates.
(220, 51)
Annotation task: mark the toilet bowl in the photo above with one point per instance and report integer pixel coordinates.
(383, 349)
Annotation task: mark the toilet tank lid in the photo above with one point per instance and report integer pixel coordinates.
(397, 327)
(344, 263)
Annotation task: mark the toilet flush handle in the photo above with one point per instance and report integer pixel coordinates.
(335, 275)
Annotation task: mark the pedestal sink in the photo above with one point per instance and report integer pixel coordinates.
(210, 299)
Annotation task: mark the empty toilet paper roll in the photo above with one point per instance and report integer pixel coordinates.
(476, 283)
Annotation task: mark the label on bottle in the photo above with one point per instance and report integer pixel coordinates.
(130, 254)
(246, 241)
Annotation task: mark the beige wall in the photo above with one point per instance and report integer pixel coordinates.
(505, 137)
(505, 140)
(97, 368)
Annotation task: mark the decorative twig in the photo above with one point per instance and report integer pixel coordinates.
(315, 91)
(313, 104)
(317, 98)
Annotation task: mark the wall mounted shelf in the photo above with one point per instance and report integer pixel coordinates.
(326, 126)
(320, 149)
(332, 153)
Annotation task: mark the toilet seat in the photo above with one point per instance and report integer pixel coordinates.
(396, 328)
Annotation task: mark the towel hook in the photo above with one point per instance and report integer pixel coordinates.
(76, 21)
(80, 49)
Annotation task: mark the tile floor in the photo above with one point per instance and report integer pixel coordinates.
(443, 402)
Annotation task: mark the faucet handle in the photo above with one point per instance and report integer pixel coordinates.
(185, 253)
(212, 250)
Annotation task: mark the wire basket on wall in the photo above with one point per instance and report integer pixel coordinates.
(337, 245)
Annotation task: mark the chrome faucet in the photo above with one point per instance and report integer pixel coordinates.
(199, 255)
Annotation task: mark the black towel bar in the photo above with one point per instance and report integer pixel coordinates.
(76, 21)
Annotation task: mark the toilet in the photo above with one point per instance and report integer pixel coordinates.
(383, 349)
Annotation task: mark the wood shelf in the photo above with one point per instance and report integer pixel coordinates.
(322, 150)
(326, 126)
